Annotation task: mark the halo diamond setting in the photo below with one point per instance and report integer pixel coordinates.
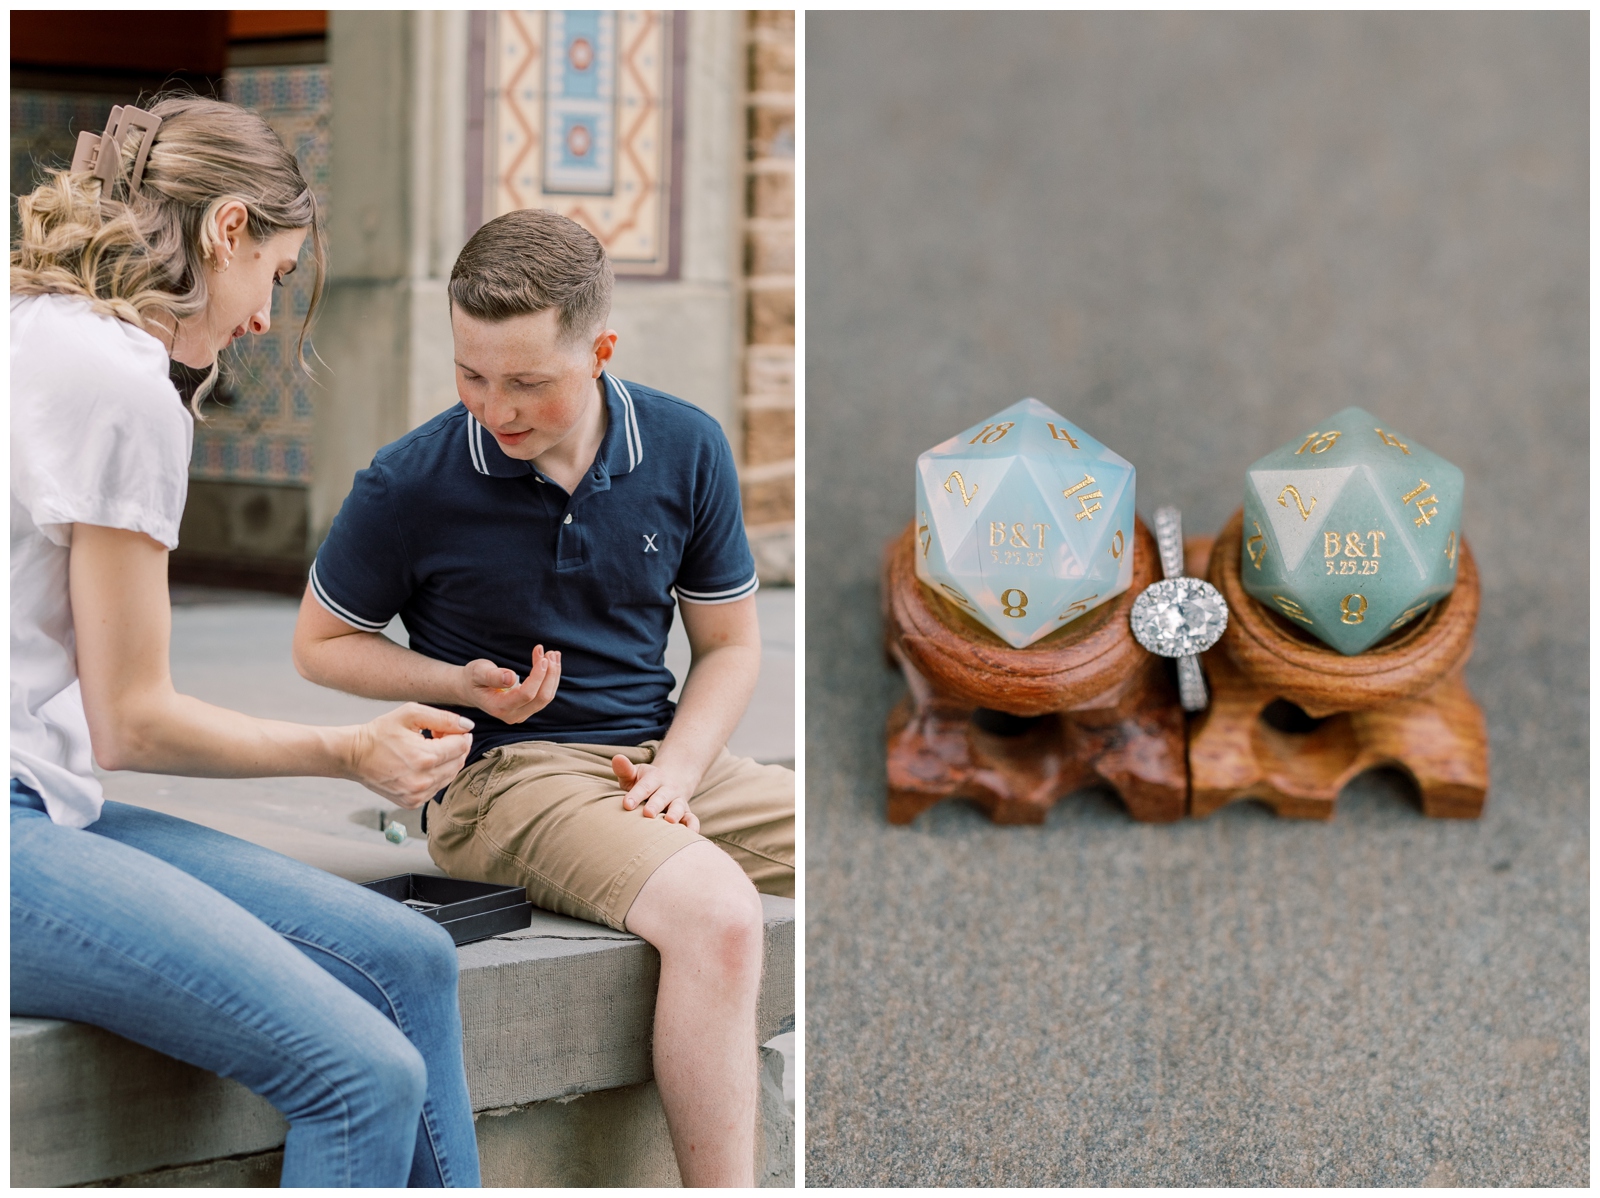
(1179, 616)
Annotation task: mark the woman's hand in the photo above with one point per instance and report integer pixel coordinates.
(496, 691)
(660, 791)
(391, 757)
(138, 721)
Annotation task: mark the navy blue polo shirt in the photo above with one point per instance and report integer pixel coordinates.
(482, 556)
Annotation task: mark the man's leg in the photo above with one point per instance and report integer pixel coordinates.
(747, 810)
(704, 917)
(550, 817)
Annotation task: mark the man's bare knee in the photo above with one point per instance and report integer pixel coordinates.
(733, 927)
(700, 901)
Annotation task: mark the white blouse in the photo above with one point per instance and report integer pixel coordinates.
(98, 436)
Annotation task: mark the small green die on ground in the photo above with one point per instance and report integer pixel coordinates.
(1352, 530)
(1025, 522)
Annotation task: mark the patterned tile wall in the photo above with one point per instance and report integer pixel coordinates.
(45, 127)
(580, 115)
(265, 434)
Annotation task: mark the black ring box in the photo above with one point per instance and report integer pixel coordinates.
(469, 911)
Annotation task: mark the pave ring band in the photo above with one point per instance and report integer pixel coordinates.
(1179, 616)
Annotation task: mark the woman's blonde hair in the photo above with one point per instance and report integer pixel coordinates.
(132, 254)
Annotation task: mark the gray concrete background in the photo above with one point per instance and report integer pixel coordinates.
(1195, 234)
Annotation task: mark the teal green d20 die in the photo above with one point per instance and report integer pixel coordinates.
(1351, 530)
(1025, 522)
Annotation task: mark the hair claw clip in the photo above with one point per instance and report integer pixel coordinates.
(86, 156)
(99, 154)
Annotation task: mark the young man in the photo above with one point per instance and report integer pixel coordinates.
(541, 529)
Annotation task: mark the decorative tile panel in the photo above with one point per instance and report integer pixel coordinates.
(580, 119)
(265, 434)
(580, 100)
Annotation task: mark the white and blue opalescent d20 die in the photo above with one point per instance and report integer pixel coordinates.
(1025, 522)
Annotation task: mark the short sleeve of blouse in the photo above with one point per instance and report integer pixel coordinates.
(98, 432)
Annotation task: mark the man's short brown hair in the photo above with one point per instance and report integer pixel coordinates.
(530, 260)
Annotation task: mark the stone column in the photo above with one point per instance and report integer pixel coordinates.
(682, 335)
(398, 88)
(768, 473)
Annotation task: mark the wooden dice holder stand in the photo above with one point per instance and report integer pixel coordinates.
(1110, 713)
(1403, 703)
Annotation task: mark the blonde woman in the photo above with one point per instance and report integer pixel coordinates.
(336, 1005)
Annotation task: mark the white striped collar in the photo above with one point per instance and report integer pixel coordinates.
(621, 450)
(475, 440)
(630, 422)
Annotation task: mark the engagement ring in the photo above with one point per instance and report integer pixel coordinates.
(1179, 617)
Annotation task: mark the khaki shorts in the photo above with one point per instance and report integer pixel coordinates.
(550, 817)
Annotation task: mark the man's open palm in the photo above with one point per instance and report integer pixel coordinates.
(495, 690)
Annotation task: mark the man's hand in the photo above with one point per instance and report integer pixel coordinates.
(489, 688)
(391, 757)
(661, 793)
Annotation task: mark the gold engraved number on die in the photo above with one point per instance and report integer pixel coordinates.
(1088, 512)
(957, 597)
(1393, 441)
(1256, 547)
(924, 535)
(1291, 609)
(966, 496)
(1060, 434)
(1319, 442)
(1425, 514)
(1015, 608)
(1409, 612)
(990, 433)
(1305, 512)
(1118, 544)
(1354, 609)
(1450, 550)
(1077, 609)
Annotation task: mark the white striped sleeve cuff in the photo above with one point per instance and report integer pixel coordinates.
(343, 613)
(731, 595)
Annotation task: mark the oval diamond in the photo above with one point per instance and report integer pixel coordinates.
(1179, 617)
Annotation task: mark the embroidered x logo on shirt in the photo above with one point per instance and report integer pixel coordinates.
(650, 542)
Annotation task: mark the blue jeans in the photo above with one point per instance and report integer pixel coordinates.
(333, 1003)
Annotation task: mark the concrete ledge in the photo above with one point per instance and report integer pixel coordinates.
(561, 1009)
(619, 1138)
(565, 1006)
(87, 1105)
(609, 1138)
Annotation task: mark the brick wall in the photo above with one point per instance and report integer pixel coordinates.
(768, 474)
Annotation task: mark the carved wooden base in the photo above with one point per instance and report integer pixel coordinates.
(1404, 703)
(1087, 706)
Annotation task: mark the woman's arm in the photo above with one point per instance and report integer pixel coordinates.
(122, 619)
